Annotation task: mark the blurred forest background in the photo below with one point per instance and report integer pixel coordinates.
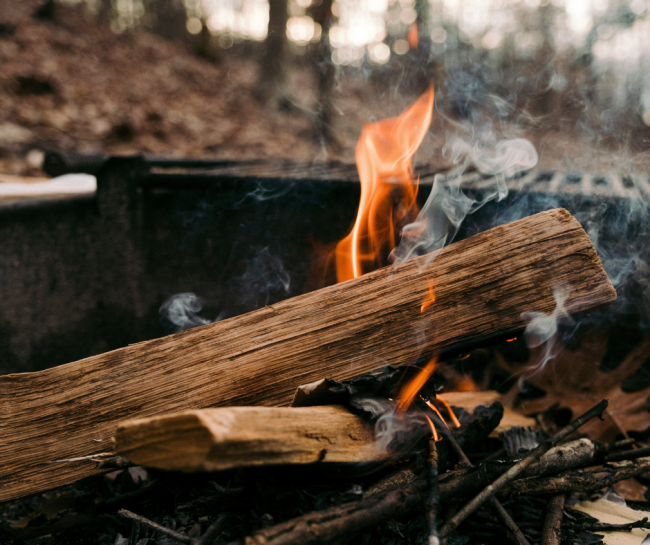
(298, 78)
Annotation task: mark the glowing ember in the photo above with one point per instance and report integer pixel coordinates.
(383, 156)
(511, 340)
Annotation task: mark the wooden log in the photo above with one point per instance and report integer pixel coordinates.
(217, 439)
(482, 286)
(224, 438)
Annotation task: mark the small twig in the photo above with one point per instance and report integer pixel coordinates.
(501, 512)
(399, 479)
(628, 454)
(464, 461)
(346, 520)
(155, 526)
(552, 532)
(618, 445)
(577, 481)
(130, 498)
(433, 501)
(520, 467)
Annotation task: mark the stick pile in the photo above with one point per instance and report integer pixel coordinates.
(439, 490)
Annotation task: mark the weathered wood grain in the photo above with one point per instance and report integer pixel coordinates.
(482, 286)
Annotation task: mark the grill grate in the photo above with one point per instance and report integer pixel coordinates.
(570, 183)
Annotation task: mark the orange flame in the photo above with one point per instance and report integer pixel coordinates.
(453, 417)
(413, 36)
(435, 410)
(409, 391)
(383, 156)
(511, 340)
(431, 298)
(433, 429)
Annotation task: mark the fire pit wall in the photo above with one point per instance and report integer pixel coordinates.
(87, 275)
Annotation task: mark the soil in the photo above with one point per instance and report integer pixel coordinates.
(73, 84)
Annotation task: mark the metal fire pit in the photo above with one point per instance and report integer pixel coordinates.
(85, 275)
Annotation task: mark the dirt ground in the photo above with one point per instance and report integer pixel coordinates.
(78, 86)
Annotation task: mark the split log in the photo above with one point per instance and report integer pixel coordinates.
(482, 285)
(217, 439)
(224, 438)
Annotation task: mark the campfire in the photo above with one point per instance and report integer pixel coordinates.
(351, 408)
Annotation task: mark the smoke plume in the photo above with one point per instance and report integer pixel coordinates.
(449, 202)
(180, 311)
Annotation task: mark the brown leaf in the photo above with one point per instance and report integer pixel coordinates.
(574, 380)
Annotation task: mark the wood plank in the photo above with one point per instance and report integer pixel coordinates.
(482, 286)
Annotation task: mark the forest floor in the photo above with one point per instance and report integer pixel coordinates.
(77, 86)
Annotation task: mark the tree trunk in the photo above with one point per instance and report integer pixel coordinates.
(272, 84)
(326, 75)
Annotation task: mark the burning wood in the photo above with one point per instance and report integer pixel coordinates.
(482, 286)
(219, 439)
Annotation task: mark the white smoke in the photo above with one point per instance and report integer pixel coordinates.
(265, 275)
(542, 329)
(449, 203)
(181, 311)
(262, 193)
(400, 432)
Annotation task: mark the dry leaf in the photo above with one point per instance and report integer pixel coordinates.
(574, 380)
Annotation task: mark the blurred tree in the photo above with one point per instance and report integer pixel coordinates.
(272, 84)
(104, 10)
(167, 18)
(326, 74)
(206, 48)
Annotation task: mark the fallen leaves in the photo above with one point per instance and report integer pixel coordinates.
(575, 381)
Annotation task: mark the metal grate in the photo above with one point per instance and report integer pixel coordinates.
(568, 183)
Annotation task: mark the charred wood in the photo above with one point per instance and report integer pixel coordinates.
(628, 454)
(433, 499)
(552, 531)
(344, 520)
(578, 481)
(492, 489)
(463, 461)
